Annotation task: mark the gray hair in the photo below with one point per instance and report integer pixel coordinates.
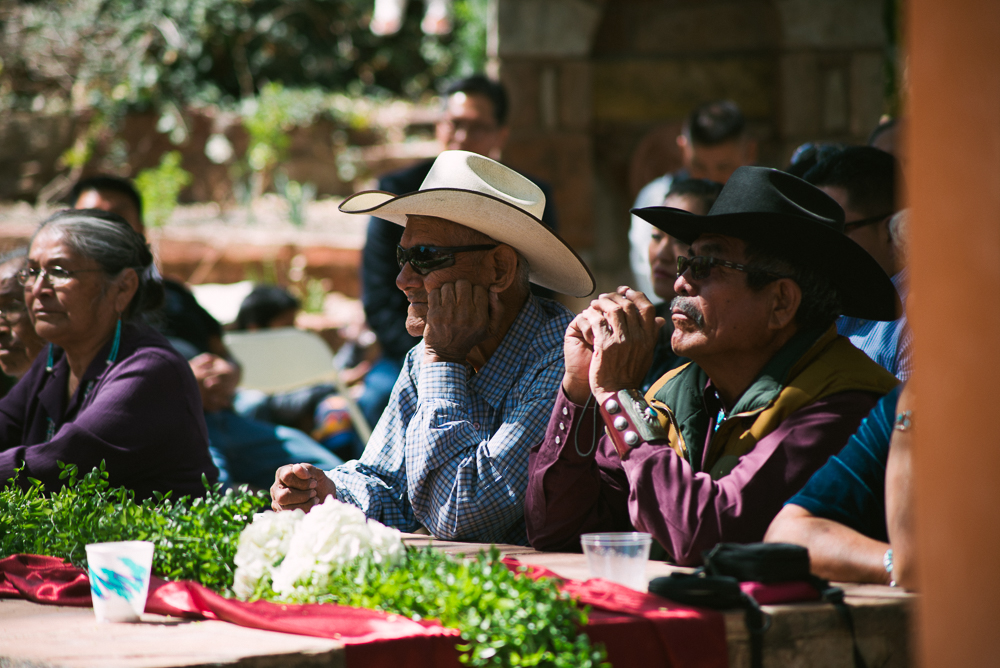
(523, 276)
(899, 230)
(820, 303)
(109, 240)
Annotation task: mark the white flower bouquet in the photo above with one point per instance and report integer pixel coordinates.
(292, 549)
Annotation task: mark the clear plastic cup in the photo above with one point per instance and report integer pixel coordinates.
(119, 579)
(619, 557)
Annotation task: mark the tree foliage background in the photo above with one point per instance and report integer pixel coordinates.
(100, 53)
(103, 58)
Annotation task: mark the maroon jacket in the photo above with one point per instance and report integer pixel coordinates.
(656, 491)
(142, 415)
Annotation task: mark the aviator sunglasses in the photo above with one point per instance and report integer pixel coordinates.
(425, 259)
(701, 266)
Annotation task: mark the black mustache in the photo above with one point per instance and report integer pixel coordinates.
(686, 305)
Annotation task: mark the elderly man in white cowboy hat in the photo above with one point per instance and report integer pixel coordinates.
(715, 447)
(450, 453)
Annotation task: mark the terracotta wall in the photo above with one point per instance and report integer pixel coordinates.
(954, 172)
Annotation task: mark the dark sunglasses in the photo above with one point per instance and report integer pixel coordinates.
(425, 259)
(701, 266)
(853, 225)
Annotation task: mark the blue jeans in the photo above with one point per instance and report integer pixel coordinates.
(249, 451)
(378, 386)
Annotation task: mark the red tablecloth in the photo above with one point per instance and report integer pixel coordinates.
(637, 629)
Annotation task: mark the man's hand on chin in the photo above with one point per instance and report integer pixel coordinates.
(300, 486)
(460, 316)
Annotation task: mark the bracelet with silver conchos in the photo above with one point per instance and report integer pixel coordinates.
(631, 421)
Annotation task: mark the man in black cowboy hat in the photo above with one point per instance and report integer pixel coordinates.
(715, 447)
(450, 452)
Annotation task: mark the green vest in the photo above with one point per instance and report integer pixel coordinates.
(809, 367)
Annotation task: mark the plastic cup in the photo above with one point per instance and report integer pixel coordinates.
(119, 579)
(619, 557)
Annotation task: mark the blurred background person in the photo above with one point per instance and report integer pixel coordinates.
(108, 388)
(863, 180)
(19, 344)
(808, 155)
(695, 196)
(317, 409)
(855, 513)
(267, 307)
(713, 142)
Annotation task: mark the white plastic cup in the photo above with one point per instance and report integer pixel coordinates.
(119, 579)
(619, 557)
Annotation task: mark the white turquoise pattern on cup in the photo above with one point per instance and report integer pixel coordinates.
(119, 579)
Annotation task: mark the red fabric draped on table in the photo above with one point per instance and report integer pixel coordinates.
(638, 629)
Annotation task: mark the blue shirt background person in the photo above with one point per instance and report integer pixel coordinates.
(889, 344)
(850, 487)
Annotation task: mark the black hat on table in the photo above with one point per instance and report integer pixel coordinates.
(796, 220)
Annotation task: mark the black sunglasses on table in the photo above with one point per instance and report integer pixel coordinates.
(425, 259)
(701, 267)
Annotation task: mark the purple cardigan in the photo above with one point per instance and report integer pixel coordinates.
(142, 415)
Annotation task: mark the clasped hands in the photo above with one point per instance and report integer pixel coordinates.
(300, 486)
(609, 346)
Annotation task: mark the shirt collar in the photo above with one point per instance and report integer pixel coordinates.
(504, 368)
(53, 394)
(902, 283)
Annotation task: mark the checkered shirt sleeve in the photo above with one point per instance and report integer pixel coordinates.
(451, 450)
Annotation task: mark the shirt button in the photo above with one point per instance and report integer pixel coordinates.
(475, 425)
(562, 427)
(565, 411)
(558, 440)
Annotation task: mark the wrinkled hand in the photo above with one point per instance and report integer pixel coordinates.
(578, 351)
(217, 380)
(460, 316)
(624, 329)
(300, 486)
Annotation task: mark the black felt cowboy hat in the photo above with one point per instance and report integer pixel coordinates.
(796, 220)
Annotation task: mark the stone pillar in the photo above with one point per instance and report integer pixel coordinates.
(543, 47)
(830, 73)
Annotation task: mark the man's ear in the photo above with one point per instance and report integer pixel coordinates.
(750, 151)
(786, 297)
(504, 264)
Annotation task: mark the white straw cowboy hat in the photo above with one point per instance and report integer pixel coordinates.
(481, 194)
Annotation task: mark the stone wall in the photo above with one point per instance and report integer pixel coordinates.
(600, 90)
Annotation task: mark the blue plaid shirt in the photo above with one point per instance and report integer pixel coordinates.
(451, 450)
(890, 344)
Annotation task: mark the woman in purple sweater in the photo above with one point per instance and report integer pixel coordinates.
(107, 387)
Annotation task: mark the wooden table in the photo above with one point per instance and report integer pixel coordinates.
(808, 635)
